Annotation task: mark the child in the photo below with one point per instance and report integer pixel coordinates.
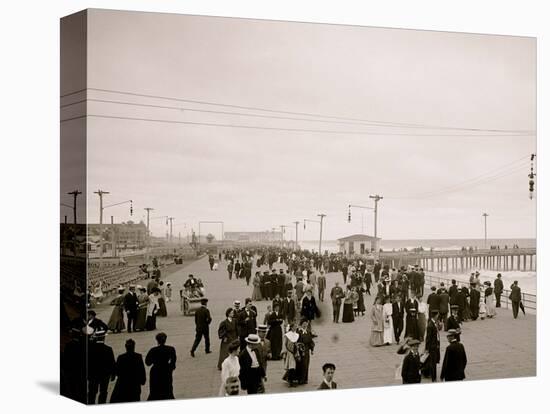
(482, 310)
(168, 292)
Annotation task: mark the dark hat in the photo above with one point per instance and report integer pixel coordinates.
(487, 283)
(434, 312)
(454, 306)
(204, 301)
(453, 332)
(433, 288)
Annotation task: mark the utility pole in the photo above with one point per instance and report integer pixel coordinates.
(148, 247)
(485, 215)
(376, 199)
(171, 219)
(282, 236)
(113, 237)
(321, 232)
(101, 193)
(296, 246)
(75, 194)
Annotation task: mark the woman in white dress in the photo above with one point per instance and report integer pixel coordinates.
(152, 309)
(230, 365)
(422, 319)
(490, 300)
(387, 311)
(289, 352)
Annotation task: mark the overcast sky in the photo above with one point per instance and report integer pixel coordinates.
(257, 179)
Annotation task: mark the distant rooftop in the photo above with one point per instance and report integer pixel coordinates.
(358, 237)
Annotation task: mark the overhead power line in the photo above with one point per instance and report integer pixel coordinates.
(341, 118)
(472, 182)
(170, 121)
(326, 121)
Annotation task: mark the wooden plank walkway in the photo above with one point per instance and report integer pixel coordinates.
(496, 348)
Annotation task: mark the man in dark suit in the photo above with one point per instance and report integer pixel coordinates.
(246, 322)
(101, 365)
(328, 375)
(398, 313)
(376, 271)
(443, 307)
(288, 308)
(499, 288)
(321, 286)
(202, 327)
(410, 372)
(453, 291)
(515, 297)
(130, 374)
(336, 295)
(95, 323)
(131, 307)
(475, 297)
(433, 344)
(251, 373)
(454, 362)
(433, 300)
(281, 283)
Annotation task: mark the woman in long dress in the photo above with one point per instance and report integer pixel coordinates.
(275, 333)
(256, 292)
(152, 309)
(289, 359)
(162, 301)
(490, 301)
(143, 302)
(309, 307)
(302, 366)
(411, 323)
(347, 314)
(422, 319)
(377, 328)
(98, 293)
(387, 311)
(230, 365)
(116, 322)
(227, 332)
(467, 314)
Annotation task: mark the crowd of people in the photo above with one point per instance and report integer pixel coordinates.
(293, 286)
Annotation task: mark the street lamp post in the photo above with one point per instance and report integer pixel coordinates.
(148, 247)
(296, 245)
(101, 193)
(321, 232)
(376, 199)
(485, 215)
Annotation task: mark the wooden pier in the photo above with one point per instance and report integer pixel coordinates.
(455, 261)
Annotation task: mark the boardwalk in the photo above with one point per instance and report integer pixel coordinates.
(498, 348)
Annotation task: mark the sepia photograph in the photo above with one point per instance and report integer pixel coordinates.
(263, 206)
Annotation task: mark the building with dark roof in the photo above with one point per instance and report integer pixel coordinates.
(358, 244)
